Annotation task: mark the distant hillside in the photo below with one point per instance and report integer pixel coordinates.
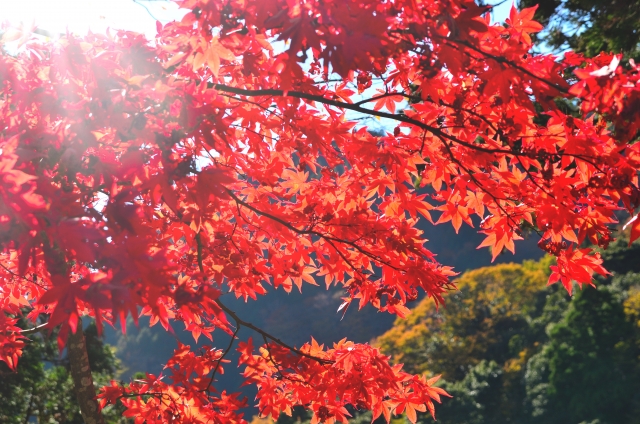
(296, 317)
(512, 350)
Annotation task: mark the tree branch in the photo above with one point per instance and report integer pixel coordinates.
(263, 333)
(35, 329)
(354, 107)
(22, 277)
(510, 63)
(240, 322)
(381, 96)
(392, 116)
(225, 353)
(311, 232)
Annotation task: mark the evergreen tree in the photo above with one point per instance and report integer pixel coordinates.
(590, 26)
(42, 388)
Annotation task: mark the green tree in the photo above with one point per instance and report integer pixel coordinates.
(476, 401)
(484, 319)
(529, 354)
(590, 26)
(480, 341)
(42, 388)
(589, 368)
(589, 365)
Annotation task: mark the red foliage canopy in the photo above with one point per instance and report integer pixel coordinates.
(223, 156)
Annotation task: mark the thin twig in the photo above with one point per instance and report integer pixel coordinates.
(312, 232)
(260, 331)
(35, 329)
(22, 276)
(226, 352)
(240, 322)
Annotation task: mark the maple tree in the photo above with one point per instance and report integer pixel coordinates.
(152, 176)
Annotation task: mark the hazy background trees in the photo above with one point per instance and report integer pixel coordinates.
(590, 26)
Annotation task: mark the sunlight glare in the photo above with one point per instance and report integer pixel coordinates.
(80, 16)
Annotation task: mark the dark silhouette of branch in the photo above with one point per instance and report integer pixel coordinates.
(354, 107)
(263, 333)
(326, 237)
(225, 353)
(240, 322)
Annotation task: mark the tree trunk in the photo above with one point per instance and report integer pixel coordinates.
(82, 379)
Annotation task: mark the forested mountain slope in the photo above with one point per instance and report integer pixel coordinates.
(294, 317)
(514, 351)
